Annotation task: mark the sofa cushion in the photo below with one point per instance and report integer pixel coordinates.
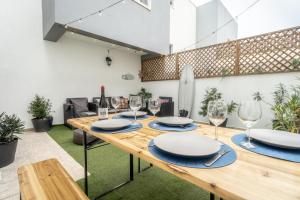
(123, 103)
(80, 105)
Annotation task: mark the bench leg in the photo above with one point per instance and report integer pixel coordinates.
(85, 164)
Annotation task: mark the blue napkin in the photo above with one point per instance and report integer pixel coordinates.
(130, 118)
(163, 127)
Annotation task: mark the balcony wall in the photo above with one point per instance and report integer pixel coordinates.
(126, 23)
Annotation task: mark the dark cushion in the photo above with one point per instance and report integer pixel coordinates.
(80, 105)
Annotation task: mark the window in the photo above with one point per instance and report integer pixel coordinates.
(144, 3)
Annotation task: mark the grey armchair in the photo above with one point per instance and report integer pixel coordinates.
(78, 107)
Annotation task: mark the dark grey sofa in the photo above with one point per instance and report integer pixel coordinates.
(78, 107)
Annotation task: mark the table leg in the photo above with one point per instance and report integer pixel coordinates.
(131, 167)
(211, 196)
(139, 165)
(85, 164)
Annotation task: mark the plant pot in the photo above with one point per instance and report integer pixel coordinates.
(8, 151)
(42, 125)
(297, 122)
(221, 125)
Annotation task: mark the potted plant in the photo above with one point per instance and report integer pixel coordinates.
(9, 127)
(212, 94)
(145, 97)
(286, 108)
(40, 109)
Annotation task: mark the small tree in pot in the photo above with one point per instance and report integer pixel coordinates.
(40, 109)
(286, 108)
(212, 94)
(9, 126)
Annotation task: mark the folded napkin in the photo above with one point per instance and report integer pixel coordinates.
(163, 127)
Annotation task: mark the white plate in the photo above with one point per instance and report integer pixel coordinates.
(276, 138)
(111, 124)
(131, 114)
(174, 121)
(187, 144)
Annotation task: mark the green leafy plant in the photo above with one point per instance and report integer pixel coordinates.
(144, 94)
(295, 63)
(286, 108)
(40, 107)
(212, 94)
(9, 126)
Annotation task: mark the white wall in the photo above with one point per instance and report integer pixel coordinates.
(182, 24)
(211, 16)
(265, 16)
(71, 67)
(233, 88)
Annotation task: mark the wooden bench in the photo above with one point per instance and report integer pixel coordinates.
(47, 180)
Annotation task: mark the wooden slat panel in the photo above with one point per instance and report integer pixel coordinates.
(252, 176)
(267, 53)
(48, 180)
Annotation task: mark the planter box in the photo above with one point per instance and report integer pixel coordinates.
(7, 152)
(42, 125)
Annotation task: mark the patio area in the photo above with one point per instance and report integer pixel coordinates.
(144, 99)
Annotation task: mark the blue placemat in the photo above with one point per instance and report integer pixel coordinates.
(162, 127)
(267, 150)
(227, 159)
(130, 118)
(132, 127)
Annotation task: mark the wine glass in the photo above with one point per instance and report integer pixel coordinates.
(135, 103)
(249, 113)
(154, 106)
(115, 102)
(217, 113)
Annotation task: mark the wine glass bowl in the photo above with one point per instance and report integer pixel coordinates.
(154, 106)
(217, 113)
(115, 102)
(249, 113)
(135, 103)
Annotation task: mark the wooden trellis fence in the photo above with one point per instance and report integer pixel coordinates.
(274, 52)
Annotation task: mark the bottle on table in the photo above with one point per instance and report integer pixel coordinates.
(103, 106)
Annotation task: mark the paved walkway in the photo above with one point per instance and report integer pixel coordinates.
(31, 148)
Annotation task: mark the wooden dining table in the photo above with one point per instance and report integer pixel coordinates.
(251, 176)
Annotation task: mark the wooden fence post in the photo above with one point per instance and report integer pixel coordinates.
(237, 59)
(177, 67)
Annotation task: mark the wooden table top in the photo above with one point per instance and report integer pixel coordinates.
(251, 176)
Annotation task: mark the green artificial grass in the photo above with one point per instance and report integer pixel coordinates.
(109, 167)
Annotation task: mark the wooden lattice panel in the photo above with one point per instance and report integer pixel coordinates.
(268, 53)
(160, 68)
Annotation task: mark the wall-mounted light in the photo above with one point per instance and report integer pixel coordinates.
(108, 59)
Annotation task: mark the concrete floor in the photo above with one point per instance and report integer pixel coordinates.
(31, 148)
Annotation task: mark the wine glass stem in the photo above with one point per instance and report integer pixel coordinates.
(248, 135)
(134, 116)
(216, 132)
